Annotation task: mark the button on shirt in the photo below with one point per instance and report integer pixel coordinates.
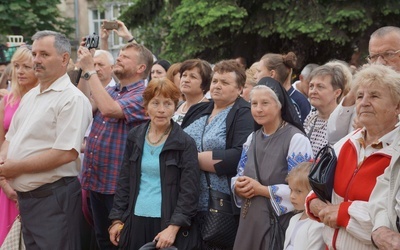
(105, 144)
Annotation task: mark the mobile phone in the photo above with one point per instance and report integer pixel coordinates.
(110, 25)
(92, 41)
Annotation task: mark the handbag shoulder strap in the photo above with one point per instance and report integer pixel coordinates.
(255, 157)
(201, 146)
(312, 127)
(258, 176)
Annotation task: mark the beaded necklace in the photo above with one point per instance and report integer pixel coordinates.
(161, 137)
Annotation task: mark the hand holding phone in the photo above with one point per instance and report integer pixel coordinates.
(110, 25)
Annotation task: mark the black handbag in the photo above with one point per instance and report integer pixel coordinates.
(220, 225)
(322, 173)
(277, 234)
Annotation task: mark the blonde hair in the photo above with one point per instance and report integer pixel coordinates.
(380, 76)
(300, 173)
(250, 79)
(22, 54)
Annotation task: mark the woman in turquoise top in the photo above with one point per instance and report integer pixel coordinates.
(158, 186)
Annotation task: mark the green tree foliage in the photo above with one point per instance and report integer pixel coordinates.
(316, 30)
(25, 17)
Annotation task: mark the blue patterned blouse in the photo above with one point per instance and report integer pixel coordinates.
(209, 137)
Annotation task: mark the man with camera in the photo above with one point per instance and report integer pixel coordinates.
(40, 154)
(116, 110)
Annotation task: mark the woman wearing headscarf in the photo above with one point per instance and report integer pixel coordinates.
(280, 67)
(274, 149)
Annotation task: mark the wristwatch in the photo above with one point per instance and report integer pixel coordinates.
(88, 74)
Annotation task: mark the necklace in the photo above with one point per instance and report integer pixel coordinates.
(283, 123)
(161, 137)
(280, 126)
(185, 103)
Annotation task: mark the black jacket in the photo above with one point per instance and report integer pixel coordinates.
(239, 124)
(179, 171)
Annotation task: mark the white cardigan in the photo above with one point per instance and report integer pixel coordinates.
(382, 202)
(309, 235)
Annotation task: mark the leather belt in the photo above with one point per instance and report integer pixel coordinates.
(46, 189)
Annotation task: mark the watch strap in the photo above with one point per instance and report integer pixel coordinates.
(88, 74)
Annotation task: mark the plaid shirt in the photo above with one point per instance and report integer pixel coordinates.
(105, 144)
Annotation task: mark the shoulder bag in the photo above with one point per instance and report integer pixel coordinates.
(322, 173)
(14, 238)
(220, 224)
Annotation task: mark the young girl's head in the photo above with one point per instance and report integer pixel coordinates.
(299, 184)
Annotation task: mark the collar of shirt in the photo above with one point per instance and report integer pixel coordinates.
(58, 85)
(112, 83)
(384, 141)
(130, 87)
(365, 151)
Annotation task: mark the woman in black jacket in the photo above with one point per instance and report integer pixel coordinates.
(219, 128)
(158, 187)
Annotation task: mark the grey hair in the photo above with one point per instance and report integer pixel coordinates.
(383, 31)
(338, 77)
(109, 56)
(61, 42)
(269, 90)
(308, 69)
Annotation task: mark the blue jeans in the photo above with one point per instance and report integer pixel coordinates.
(101, 205)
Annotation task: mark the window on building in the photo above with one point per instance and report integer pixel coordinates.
(111, 12)
(97, 19)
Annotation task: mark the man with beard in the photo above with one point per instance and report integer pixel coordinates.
(116, 110)
(41, 149)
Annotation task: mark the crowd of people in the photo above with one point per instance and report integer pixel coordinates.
(131, 151)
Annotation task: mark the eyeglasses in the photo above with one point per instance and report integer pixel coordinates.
(387, 55)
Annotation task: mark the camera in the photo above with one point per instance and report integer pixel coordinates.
(92, 41)
(110, 25)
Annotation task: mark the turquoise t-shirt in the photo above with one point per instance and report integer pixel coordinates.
(148, 203)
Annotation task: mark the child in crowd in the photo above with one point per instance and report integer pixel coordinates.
(302, 233)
